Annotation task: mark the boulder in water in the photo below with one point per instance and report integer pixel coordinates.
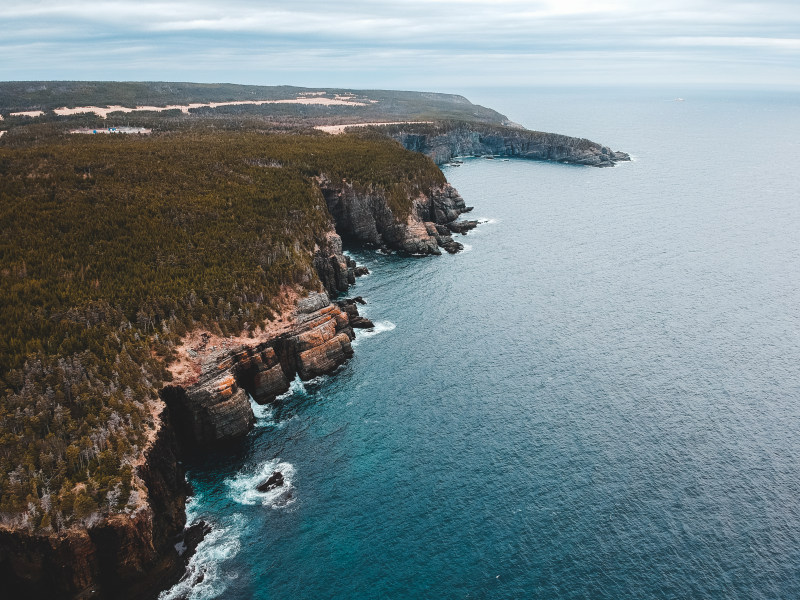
(274, 481)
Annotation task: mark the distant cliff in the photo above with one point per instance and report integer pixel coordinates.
(368, 216)
(443, 141)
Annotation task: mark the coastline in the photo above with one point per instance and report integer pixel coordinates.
(207, 402)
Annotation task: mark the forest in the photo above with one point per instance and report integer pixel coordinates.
(380, 105)
(112, 248)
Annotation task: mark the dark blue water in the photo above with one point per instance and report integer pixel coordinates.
(600, 398)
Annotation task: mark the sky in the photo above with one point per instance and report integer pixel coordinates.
(411, 44)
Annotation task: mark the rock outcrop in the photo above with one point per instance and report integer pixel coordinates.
(215, 407)
(348, 305)
(273, 481)
(366, 217)
(336, 271)
(462, 227)
(444, 141)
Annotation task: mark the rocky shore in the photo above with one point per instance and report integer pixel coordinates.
(444, 141)
(365, 217)
(214, 406)
(207, 403)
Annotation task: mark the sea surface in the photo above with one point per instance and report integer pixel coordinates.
(598, 398)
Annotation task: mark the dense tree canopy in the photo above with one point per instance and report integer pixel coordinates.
(111, 249)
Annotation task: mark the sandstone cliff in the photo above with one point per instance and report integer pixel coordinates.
(209, 404)
(133, 555)
(443, 141)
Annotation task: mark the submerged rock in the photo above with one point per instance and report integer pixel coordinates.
(462, 227)
(450, 245)
(274, 481)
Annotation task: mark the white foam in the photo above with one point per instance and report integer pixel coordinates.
(192, 507)
(243, 485)
(467, 248)
(296, 386)
(263, 413)
(380, 327)
(221, 543)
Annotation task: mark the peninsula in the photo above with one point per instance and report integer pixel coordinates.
(155, 284)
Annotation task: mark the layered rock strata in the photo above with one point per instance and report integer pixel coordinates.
(215, 407)
(444, 142)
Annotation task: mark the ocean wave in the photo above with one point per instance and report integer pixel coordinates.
(467, 247)
(263, 413)
(204, 578)
(295, 387)
(380, 327)
(243, 486)
(192, 507)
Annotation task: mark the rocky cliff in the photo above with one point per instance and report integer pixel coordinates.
(443, 141)
(123, 556)
(134, 555)
(210, 403)
(366, 216)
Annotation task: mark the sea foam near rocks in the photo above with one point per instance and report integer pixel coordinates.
(243, 486)
(295, 387)
(380, 327)
(264, 413)
(204, 578)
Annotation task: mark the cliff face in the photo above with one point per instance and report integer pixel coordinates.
(444, 143)
(123, 556)
(366, 216)
(133, 555)
(214, 407)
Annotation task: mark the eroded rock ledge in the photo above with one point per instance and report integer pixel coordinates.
(214, 407)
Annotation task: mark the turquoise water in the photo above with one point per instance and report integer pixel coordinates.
(597, 399)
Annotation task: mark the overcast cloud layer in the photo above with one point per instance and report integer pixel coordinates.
(431, 44)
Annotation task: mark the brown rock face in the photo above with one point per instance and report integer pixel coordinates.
(325, 357)
(269, 384)
(322, 341)
(216, 407)
(122, 556)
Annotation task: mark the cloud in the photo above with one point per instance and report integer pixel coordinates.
(468, 37)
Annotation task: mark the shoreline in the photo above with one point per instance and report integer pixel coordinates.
(207, 402)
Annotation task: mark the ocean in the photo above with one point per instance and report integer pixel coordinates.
(598, 398)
